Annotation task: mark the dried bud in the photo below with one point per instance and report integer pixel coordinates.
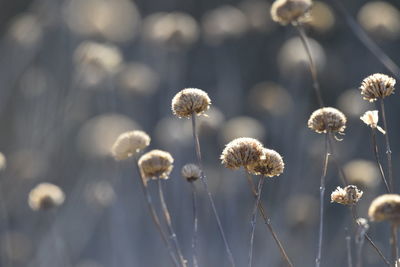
(270, 164)
(385, 208)
(327, 119)
(191, 172)
(155, 164)
(189, 101)
(290, 11)
(361, 230)
(371, 118)
(129, 143)
(346, 196)
(377, 86)
(242, 151)
(45, 196)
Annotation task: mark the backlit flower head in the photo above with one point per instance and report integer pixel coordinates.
(155, 164)
(385, 208)
(371, 118)
(290, 11)
(129, 143)
(45, 196)
(191, 172)
(346, 196)
(189, 101)
(270, 164)
(377, 86)
(327, 119)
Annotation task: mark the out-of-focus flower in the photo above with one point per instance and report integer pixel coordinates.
(258, 15)
(290, 11)
(352, 104)
(301, 210)
(100, 194)
(191, 172)
(242, 126)
(45, 196)
(26, 30)
(137, 78)
(385, 208)
(322, 18)
(362, 172)
(129, 143)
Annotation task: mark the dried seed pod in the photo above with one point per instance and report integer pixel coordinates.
(45, 196)
(155, 164)
(290, 11)
(377, 86)
(270, 164)
(129, 143)
(189, 101)
(241, 152)
(326, 120)
(191, 172)
(346, 196)
(385, 208)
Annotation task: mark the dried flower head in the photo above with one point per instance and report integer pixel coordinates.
(189, 101)
(377, 86)
(129, 143)
(327, 119)
(45, 196)
(242, 151)
(290, 11)
(346, 196)
(191, 172)
(155, 164)
(385, 208)
(270, 164)
(371, 118)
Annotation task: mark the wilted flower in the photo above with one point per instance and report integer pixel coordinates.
(270, 164)
(191, 172)
(45, 196)
(385, 208)
(129, 143)
(290, 11)
(240, 152)
(346, 196)
(327, 119)
(189, 101)
(377, 86)
(155, 164)
(371, 118)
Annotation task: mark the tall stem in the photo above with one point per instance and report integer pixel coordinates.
(205, 184)
(155, 218)
(195, 225)
(348, 246)
(254, 219)
(388, 150)
(394, 244)
(167, 218)
(378, 162)
(267, 222)
(322, 195)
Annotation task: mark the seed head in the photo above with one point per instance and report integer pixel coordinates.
(377, 86)
(371, 118)
(189, 101)
(155, 164)
(45, 196)
(242, 151)
(290, 11)
(346, 196)
(270, 164)
(191, 172)
(385, 208)
(129, 143)
(327, 119)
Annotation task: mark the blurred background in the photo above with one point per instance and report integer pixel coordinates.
(74, 74)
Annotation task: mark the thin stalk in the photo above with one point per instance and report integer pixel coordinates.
(195, 225)
(156, 219)
(205, 184)
(313, 69)
(322, 195)
(167, 218)
(388, 150)
(345, 181)
(254, 219)
(348, 246)
(267, 222)
(361, 230)
(378, 162)
(394, 244)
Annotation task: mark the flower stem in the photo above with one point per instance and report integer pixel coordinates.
(394, 245)
(376, 154)
(195, 225)
(348, 246)
(388, 150)
(205, 184)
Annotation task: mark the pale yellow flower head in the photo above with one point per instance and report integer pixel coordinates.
(371, 118)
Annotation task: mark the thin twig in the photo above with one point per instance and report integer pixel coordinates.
(348, 246)
(388, 150)
(195, 225)
(322, 195)
(254, 218)
(205, 184)
(394, 243)
(267, 222)
(376, 154)
(155, 218)
(167, 218)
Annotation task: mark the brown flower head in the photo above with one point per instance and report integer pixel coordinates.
(377, 86)
(191, 172)
(45, 196)
(242, 151)
(385, 208)
(327, 119)
(290, 11)
(129, 143)
(155, 164)
(189, 101)
(270, 164)
(346, 196)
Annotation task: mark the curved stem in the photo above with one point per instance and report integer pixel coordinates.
(205, 184)
(388, 150)
(254, 219)
(195, 225)
(378, 162)
(167, 218)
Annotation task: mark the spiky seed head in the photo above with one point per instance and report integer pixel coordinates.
(270, 164)
(45, 196)
(371, 119)
(376, 86)
(190, 101)
(155, 164)
(346, 196)
(191, 172)
(129, 143)
(241, 152)
(327, 119)
(290, 11)
(385, 208)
